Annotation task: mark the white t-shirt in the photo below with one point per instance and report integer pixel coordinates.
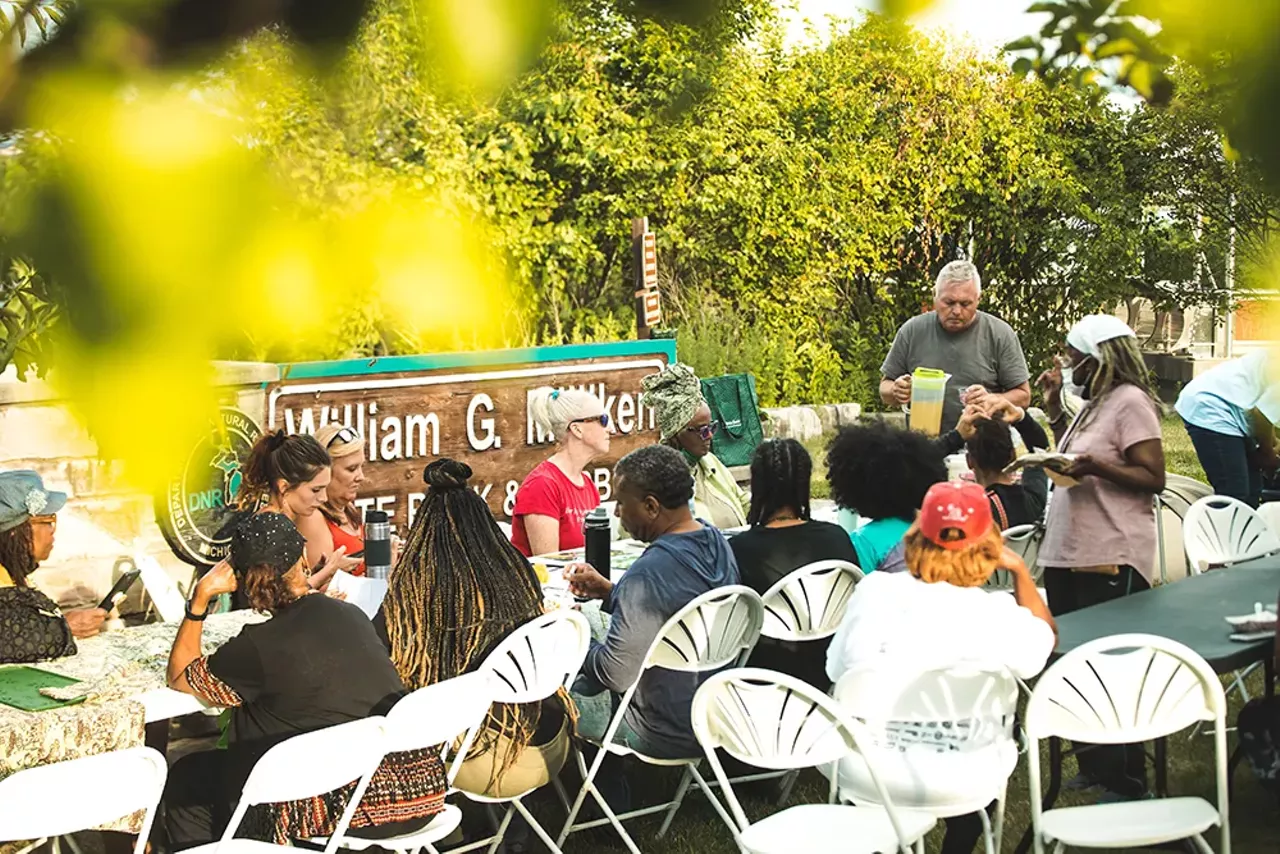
(897, 620)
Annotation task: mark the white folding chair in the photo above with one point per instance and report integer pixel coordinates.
(941, 740)
(776, 721)
(436, 716)
(716, 630)
(1220, 530)
(530, 665)
(1126, 689)
(304, 766)
(1270, 513)
(805, 605)
(79, 794)
(1023, 540)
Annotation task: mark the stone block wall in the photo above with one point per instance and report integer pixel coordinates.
(106, 517)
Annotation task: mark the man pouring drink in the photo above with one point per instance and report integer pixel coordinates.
(980, 352)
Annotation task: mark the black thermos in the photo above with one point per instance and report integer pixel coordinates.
(596, 533)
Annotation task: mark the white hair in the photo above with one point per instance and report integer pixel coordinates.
(957, 273)
(553, 410)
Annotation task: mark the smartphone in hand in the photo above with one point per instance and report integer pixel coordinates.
(120, 588)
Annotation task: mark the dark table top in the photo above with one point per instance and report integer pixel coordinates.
(1190, 611)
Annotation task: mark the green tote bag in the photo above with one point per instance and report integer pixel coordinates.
(735, 408)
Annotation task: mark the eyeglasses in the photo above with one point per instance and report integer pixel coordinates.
(602, 419)
(346, 435)
(51, 521)
(705, 432)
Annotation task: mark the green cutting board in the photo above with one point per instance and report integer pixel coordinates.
(20, 688)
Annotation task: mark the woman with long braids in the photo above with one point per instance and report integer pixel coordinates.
(459, 589)
(1100, 536)
(783, 538)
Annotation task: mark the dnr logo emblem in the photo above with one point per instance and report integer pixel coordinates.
(200, 502)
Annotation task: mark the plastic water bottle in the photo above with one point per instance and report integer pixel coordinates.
(377, 544)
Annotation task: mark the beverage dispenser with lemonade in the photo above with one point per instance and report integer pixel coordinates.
(928, 390)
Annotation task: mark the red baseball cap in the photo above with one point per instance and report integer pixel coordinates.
(955, 515)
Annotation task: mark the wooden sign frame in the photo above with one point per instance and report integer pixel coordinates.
(469, 406)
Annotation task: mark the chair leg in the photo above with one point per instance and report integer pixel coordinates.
(1059, 848)
(577, 801)
(788, 783)
(999, 821)
(561, 793)
(685, 780)
(502, 831)
(537, 828)
(715, 802)
(988, 838)
(1201, 844)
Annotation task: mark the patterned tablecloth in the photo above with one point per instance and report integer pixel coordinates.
(115, 669)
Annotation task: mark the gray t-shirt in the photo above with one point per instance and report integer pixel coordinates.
(986, 354)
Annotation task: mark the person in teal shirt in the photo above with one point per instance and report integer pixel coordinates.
(882, 473)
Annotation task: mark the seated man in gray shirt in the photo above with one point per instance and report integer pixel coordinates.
(981, 352)
(685, 559)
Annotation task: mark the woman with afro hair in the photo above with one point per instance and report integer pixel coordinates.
(882, 472)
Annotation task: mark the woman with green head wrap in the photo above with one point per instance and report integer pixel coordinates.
(684, 420)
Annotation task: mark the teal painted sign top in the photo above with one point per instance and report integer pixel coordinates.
(483, 358)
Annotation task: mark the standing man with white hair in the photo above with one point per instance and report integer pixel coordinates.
(980, 352)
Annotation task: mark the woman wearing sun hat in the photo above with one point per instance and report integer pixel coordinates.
(31, 626)
(935, 615)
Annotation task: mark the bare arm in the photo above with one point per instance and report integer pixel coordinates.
(186, 646)
(319, 538)
(886, 391)
(1142, 470)
(1019, 396)
(543, 533)
(1024, 589)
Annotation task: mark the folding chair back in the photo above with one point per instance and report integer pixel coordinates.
(809, 603)
(972, 704)
(1126, 689)
(717, 629)
(312, 764)
(1219, 529)
(539, 658)
(438, 714)
(79, 794)
(775, 721)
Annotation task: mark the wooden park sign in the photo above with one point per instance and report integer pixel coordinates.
(472, 407)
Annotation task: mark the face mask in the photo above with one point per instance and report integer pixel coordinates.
(1068, 383)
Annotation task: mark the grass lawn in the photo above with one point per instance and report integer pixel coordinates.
(698, 830)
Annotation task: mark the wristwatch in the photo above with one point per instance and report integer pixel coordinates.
(194, 617)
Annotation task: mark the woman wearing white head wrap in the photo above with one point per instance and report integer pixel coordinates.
(1100, 535)
(555, 498)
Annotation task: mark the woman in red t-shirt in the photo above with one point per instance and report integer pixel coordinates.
(557, 495)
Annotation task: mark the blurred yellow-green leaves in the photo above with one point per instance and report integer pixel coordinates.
(174, 242)
(477, 46)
